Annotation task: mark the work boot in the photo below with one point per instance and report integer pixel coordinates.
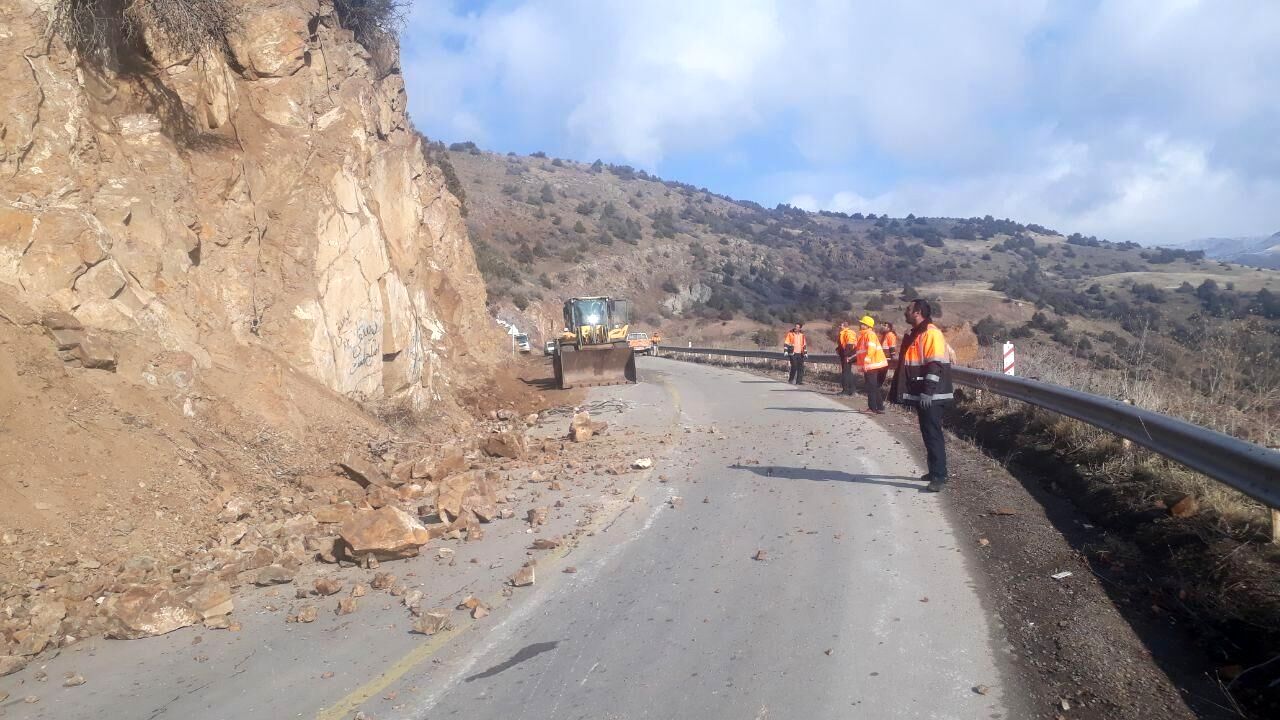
(935, 486)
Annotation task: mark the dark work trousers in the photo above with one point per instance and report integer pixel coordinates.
(797, 369)
(935, 447)
(873, 380)
(846, 377)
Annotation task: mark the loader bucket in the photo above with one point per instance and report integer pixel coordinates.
(591, 365)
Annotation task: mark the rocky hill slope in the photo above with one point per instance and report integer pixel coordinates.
(704, 267)
(692, 260)
(225, 264)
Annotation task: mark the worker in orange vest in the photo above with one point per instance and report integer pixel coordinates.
(871, 360)
(845, 349)
(796, 346)
(923, 379)
(889, 340)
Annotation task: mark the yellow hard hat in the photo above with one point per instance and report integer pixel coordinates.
(868, 321)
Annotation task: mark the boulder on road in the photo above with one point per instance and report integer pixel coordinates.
(10, 664)
(274, 575)
(327, 586)
(537, 516)
(581, 428)
(385, 534)
(506, 444)
(452, 460)
(143, 611)
(524, 576)
(432, 622)
(212, 599)
(469, 493)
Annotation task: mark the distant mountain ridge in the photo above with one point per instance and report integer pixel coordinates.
(1259, 251)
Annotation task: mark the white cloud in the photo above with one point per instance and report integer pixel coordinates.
(1126, 119)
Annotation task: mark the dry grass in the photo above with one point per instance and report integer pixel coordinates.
(1104, 458)
(108, 33)
(376, 25)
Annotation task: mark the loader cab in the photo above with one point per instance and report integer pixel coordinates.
(593, 349)
(595, 320)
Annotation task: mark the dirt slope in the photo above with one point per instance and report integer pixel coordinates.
(222, 270)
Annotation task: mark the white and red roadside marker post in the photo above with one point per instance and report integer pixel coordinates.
(1009, 360)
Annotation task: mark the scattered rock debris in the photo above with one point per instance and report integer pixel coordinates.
(327, 586)
(432, 622)
(523, 577)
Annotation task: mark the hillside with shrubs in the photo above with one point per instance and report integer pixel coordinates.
(703, 266)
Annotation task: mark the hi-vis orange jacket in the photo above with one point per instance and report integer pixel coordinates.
(925, 368)
(845, 345)
(890, 343)
(868, 352)
(795, 342)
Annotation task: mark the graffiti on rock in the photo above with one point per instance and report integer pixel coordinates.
(362, 344)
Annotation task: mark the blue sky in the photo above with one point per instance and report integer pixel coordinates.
(1129, 119)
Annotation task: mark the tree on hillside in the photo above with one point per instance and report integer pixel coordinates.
(664, 223)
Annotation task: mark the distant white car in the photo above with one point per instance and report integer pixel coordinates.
(522, 343)
(549, 348)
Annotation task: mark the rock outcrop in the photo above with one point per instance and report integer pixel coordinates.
(271, 195)
(222, 270)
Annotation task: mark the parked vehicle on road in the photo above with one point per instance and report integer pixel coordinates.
(522, 343)
(640, 342)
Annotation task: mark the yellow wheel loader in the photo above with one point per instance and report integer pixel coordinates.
(593, 349)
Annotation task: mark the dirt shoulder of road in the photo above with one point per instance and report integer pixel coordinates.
(1072, 643)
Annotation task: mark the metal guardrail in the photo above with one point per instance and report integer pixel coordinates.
(1252, 469)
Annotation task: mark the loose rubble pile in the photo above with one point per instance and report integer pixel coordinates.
(387, 505)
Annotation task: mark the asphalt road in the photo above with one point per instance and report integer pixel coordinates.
(862, 606)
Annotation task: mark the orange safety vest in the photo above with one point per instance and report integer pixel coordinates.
(927, 366)
(844, 346)
(797, 341)
(869, 353)
(889, 342)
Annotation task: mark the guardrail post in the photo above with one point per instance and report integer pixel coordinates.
(1275, 526)
(1125, 443)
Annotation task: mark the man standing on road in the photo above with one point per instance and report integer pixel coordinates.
(846, 350)
(796, 346)
(923, 379)
(871, 359)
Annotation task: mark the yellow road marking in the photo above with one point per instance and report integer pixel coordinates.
(342, 709)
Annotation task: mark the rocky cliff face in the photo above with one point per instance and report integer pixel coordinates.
(269, 194)
(205, 257)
